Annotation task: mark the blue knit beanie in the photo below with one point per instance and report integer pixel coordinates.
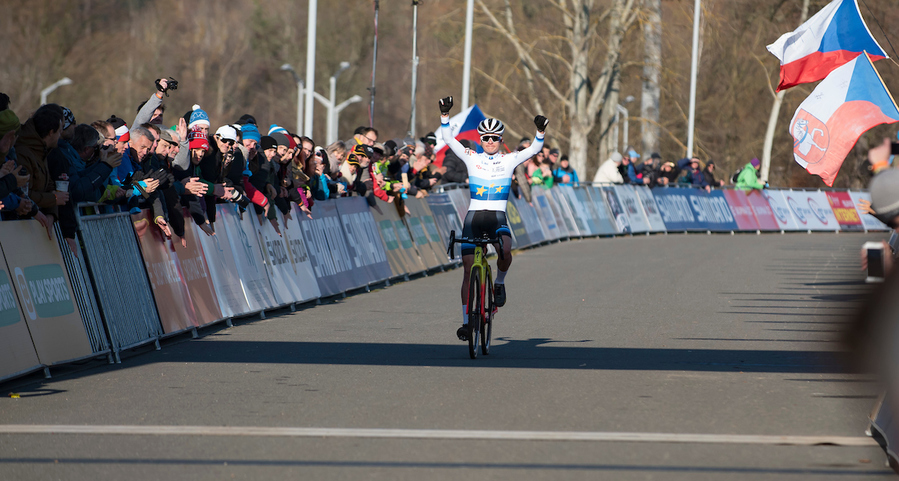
(276, 128)
(198, 118)
(250, 132)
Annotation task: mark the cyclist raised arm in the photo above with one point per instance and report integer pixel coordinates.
(490, 179)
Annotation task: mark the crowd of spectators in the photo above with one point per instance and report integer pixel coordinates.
(52, 164)
(654, 172)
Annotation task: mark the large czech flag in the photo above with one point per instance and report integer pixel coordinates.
(851, 100)
(464, 125)
(832, 37)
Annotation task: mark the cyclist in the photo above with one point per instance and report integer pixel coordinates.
(490, 179)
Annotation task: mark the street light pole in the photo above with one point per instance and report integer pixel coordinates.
(310, 66)
(414, 64)
(466, 64)
(331, 131)
(296, 78)
(326, 103)
(47, 91)
(694, 69)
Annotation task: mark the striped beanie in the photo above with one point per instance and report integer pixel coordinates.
(198, 118)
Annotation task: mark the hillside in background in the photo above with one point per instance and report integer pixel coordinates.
(227, 57)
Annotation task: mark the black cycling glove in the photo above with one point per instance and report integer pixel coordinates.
(541, 122)
(446, 104)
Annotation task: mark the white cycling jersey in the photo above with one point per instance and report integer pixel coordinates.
(489, 176)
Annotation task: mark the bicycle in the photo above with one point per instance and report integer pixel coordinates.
(480, 314)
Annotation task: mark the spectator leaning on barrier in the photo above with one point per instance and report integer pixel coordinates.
(608, 172)
(456, 172)
(748, 177)
(647, 173)
(37, 137)
(632, 176)
(709, 174)
(565, 173)
(691, 169)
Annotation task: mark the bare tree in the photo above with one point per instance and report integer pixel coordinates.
(585, 87)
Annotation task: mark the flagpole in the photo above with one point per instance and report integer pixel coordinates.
(694, 70)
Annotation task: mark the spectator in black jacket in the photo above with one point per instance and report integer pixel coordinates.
(456, 171)
(709, 174)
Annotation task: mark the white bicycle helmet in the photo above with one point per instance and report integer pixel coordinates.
(490, 127)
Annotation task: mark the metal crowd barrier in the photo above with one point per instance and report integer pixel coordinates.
(84, 297)
(119, 277)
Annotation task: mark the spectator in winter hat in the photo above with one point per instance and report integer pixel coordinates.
(251, 138)
(122, 133)
(68, 124)
(199, 120)
(748, 177)
(276, 128)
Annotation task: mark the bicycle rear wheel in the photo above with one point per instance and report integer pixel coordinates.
(487, 324)
(475, 311)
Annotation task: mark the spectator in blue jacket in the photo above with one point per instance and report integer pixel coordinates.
(634, 171)
(564, 173)
(691, 171)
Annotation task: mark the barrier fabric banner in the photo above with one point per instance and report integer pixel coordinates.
(520, 236)
(461, 198)
(687, 209)
(781, 212)
(289, 284)
(176, 309)
(447, 219)
(299, 257)
(326, 245)
(811, 210)
(844, 210)
(192, 265)
(223, 271)
(247, 254)
(579, 211)
(547, 218)
(385, 215)
(632, 208)
(563, 210)
(364, 243)
(561, 220)
(762, 210)
(41, 283)
(868, 221)
(416, 224)
(531, 221)
(607, 222)
(644, 195)
(17, 352)
(616, 208)
(741, 210)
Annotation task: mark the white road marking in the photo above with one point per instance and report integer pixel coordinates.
(438, 434)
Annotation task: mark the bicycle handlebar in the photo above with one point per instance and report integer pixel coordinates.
(483, 241)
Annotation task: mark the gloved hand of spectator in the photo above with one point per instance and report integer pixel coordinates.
(112, 158)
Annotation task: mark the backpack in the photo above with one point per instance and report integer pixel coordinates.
(733, 179)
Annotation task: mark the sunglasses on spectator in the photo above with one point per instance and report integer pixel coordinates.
(227, 142)
(491, 138)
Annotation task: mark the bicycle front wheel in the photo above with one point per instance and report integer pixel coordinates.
(487, 324)
(475, 311)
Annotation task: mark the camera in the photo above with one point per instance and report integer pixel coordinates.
(876, 261)
(895, 148)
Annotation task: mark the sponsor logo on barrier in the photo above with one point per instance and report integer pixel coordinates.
(45, 291)
(780, 211)
(322, 263)
(817, 211)
(298, 249)
(164, 273)
(711, 209)
(675, 208)
(9, 312)
(515, 220)
(418, 232)
(363, 239)
(630, 204)
(193, 268)
(648, 205)
(338, 248)
(389, 235)
(800, 212)
(431, 228)
(403, 232)
(277, 252)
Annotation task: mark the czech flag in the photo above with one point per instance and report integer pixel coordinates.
(851, 100)
(464, 125)
(834, 36)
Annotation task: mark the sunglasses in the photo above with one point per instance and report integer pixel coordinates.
(228, 142)
(491, 138)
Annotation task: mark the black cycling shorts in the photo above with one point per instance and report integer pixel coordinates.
(483, 223)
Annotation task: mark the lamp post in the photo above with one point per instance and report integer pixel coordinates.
(466, 65)
(334, 113)
(694, 69)
(296, 78)
(620, 109)
(310, 65)
(331, 131)
(59, 83)
(414, 64)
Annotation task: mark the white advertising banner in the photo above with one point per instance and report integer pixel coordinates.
(290, 282)
(632, 207)
(648, 201)
(781, 210)
(245, 248)
(869, 221)
(811, 210)
(223, 271)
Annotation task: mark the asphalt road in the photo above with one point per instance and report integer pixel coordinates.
(656, 337)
